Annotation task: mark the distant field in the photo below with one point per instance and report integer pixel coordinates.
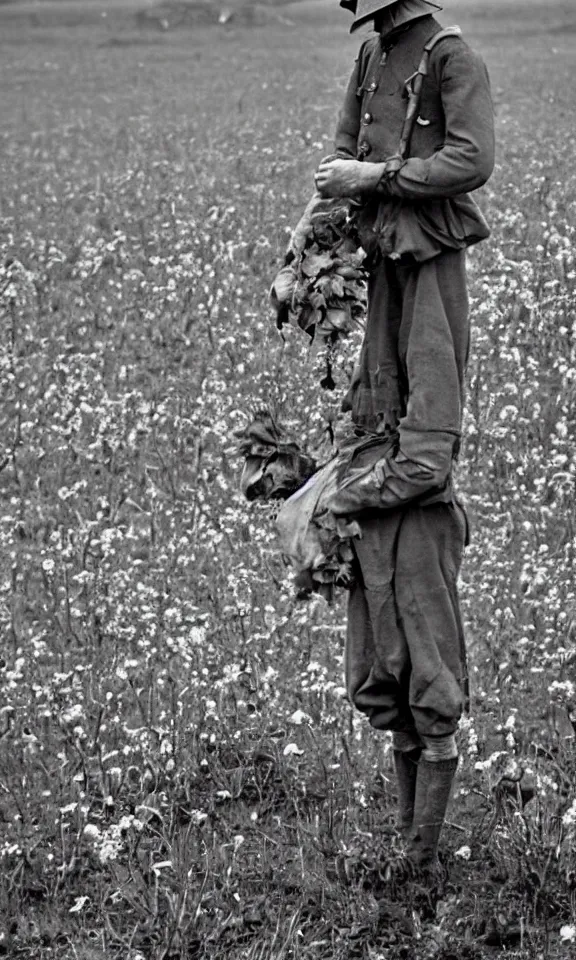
(181, 775)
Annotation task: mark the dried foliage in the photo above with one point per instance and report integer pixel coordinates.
(322, 289)
(274, 467)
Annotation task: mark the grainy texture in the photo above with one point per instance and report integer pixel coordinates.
(180, 774)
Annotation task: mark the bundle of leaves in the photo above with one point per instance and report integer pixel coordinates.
(336, 567)
(274, 467)
(322, 287)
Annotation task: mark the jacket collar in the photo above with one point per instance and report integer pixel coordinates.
(397, 14)
(420, 29)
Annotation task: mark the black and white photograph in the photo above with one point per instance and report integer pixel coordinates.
(287, 480)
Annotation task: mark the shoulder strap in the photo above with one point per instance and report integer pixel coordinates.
(414, 87)
(454, 31)
(377, 57)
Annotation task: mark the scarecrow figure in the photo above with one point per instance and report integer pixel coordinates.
(415, 135)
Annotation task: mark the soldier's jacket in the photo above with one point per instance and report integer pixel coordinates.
(452, 148)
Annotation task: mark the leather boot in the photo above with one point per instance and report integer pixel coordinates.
(406, 765)
(433, 790)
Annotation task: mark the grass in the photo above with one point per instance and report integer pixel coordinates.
(181, 775)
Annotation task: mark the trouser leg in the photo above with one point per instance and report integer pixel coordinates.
(377, 662)
(377, 393)
(428, 559)
(433, 346)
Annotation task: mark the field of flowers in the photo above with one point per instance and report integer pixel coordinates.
(181, 775)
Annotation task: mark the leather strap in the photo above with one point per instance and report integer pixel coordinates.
(413, 86)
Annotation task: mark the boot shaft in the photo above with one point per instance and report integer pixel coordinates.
(434, 784)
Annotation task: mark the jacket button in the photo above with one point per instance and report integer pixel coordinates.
(367, 118)
(372, 87)
(364, 148)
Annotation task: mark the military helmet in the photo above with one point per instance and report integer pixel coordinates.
(364, 10)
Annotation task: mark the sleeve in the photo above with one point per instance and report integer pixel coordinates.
(426, 466)
(396, 480)
(348, 125)
(466, 160)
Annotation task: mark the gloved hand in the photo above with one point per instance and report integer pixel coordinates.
(347, 178)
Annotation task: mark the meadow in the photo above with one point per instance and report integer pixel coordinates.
(181, 774)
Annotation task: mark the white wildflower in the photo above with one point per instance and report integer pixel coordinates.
(562, 690)
(464, 853)
(299, 717)
(69, 716)
(79, 904)
(197, 817)
(483, 765)
(569, 818)
(197, 636)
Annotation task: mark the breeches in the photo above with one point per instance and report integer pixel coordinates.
(405, 655)
(415, 349)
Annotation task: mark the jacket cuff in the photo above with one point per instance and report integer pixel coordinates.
(391, 167)
(383, 187)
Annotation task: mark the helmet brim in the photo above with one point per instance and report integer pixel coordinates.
(375, 7)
